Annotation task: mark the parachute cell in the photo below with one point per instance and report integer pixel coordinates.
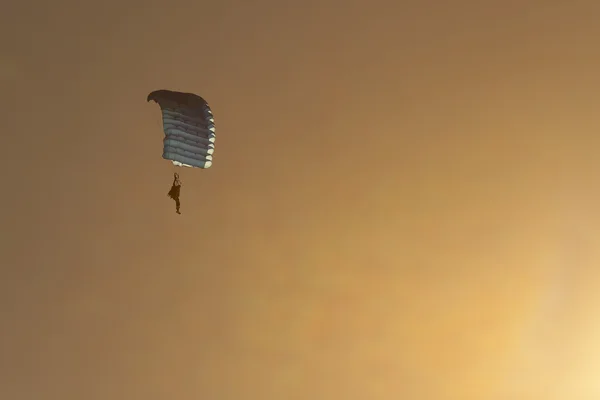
(189, 128)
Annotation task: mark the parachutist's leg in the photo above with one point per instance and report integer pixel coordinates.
(177, 205)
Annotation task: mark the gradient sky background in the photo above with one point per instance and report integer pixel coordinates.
(403, 205)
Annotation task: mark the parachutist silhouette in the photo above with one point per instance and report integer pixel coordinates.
(189, 128)
(174, 192)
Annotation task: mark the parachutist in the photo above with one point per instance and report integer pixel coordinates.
(174, 192)
(189, 127)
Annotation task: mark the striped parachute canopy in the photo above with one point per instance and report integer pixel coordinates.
(189, 128)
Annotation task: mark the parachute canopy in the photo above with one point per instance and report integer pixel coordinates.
(189, 128)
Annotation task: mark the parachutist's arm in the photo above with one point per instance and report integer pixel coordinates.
(176, 180)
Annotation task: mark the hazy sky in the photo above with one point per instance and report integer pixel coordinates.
(403, 202)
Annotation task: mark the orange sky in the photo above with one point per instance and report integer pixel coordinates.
(403, 202)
